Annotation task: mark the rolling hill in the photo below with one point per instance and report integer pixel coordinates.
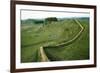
(61, 40)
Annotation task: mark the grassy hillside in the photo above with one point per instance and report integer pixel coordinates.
(35, 35)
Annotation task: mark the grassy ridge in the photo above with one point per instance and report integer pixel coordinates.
(79, 50)
(33, 36)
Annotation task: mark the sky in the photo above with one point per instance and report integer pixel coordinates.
(29, 14)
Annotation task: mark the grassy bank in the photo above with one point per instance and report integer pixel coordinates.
(34, 35)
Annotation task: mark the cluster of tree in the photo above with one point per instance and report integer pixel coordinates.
(32, 21)
(39, 21)
(50, 19)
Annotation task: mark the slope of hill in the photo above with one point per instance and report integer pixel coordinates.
(34, 36)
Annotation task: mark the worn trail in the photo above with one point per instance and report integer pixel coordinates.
(43, 55)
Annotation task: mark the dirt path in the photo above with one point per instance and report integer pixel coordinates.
(73, 39)
(44, 58)
(43, 55)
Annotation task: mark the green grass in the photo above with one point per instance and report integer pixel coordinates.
(35, 35)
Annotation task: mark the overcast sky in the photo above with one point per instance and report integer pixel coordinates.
(25, 14)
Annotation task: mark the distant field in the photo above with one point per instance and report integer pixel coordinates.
(37, 33)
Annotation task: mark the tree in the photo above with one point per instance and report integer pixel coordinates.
(50, 19)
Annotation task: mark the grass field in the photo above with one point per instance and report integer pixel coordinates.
(38, 34)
